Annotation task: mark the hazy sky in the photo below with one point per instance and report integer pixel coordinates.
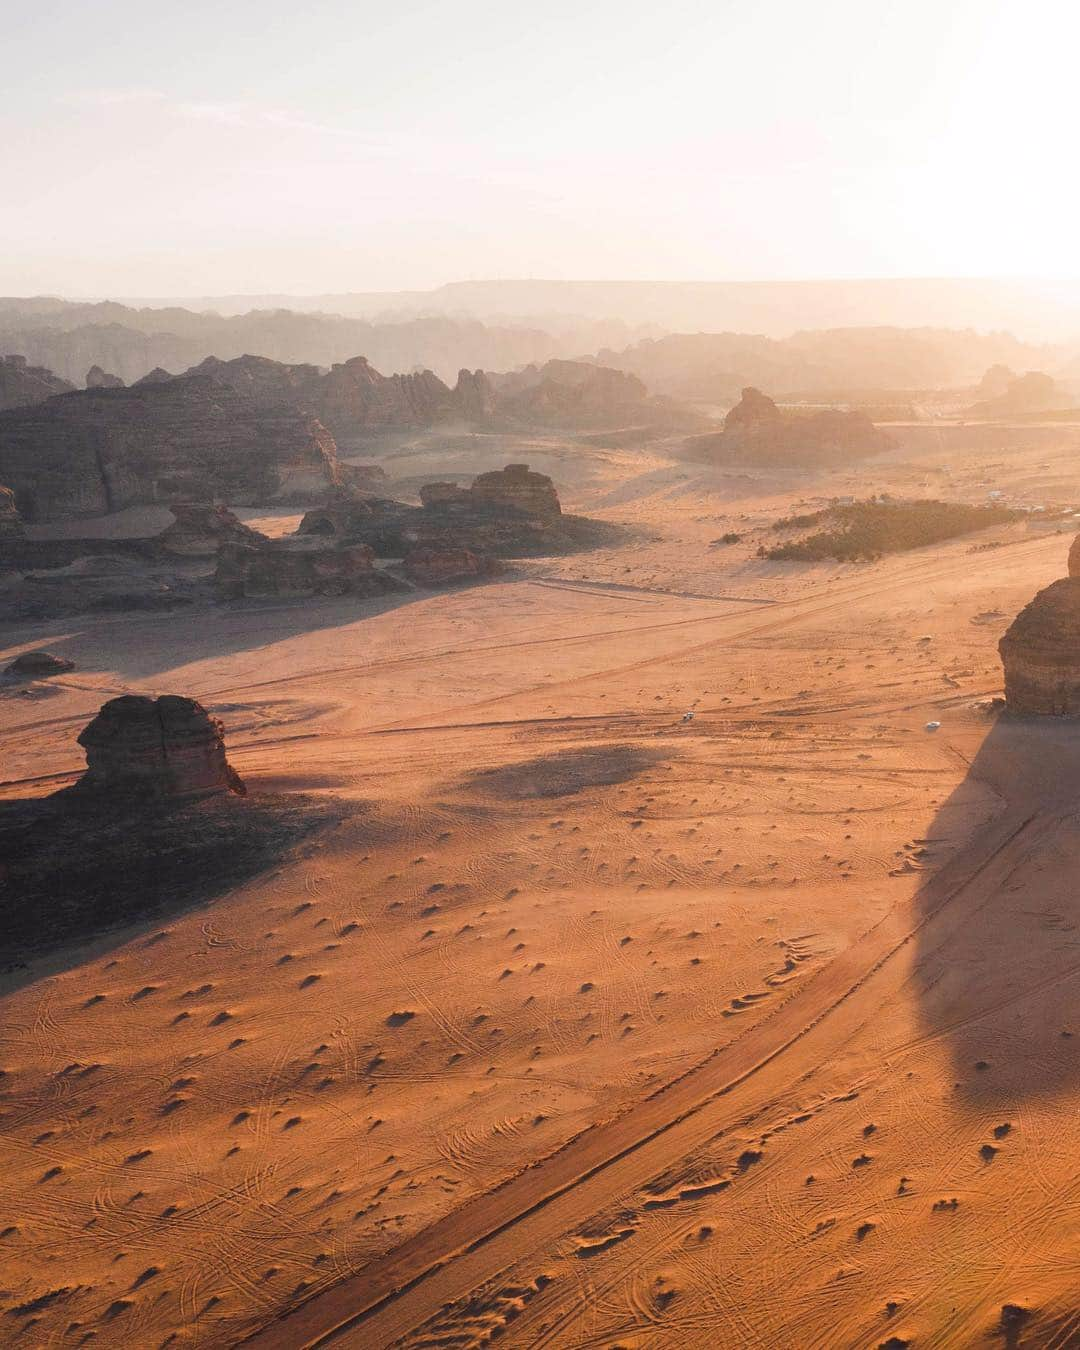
(265, 145)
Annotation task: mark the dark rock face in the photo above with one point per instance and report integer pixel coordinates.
(757, 432)
(11, 526)
(444, 567)
(509, 513)
(1074, 557)
(164, 747)
(38, 666)
(200, 528)
(22, 384)
(193, 437)
(283, 569)
(516, 488)
(96, 378)
(1041, 652)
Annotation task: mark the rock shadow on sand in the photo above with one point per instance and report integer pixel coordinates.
(73, 869)
(565, 773)
(997, 963)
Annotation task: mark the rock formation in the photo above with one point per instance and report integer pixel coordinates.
(38, 665)
(22, 384)
(193, 437)
(444, 567)
(164, 747)
(1029, 393)
(96, 378)
(580, 394)
(293, 568)
(200, 528)
(1041, 652)
(516, 488)
(11, 526)
(509, 513)
(758, 433)
(1074, 557)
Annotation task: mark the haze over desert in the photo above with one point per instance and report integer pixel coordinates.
(539, 758)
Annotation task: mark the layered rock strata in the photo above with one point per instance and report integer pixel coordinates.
(1041, 652)
(282, 569)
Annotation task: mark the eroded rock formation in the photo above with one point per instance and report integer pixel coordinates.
(38, 665)
(200, 528)
(165, 747)
(1041, 652)
(296, 568)
(444, 567)
(508, 513)
(516, 488)
(757, 432)
(22, 384)
(581, 394)
(189, 438)
(96, 378)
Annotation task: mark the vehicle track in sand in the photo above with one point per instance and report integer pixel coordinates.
(537, 1208)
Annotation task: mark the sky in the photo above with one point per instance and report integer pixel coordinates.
(243, 147)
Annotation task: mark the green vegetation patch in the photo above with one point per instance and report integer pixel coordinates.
(863, 531)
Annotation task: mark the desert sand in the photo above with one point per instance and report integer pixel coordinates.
(589, 1024)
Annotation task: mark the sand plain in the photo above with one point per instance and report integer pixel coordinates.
(588, 1025)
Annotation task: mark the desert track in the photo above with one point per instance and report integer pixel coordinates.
(381, 1304)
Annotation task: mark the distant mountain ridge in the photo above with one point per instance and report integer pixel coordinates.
(1034, 310)
(69, 337)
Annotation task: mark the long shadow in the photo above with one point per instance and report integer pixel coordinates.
(161, 642)
(78, 869)
(997, 964)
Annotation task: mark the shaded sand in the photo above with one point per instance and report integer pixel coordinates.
(778, 1000)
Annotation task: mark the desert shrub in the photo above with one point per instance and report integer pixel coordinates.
(861, 531)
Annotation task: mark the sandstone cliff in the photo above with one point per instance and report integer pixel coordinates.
(1041, 652)
(196, 437)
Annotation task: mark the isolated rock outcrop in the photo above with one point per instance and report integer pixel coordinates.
(38, 665)
(757, 432)
(1041, 652)
(294, 568)
(22, 384)
(165, 747)
(1032, 392)
(445, 566)
(516, 488)
(200, 528)
(11, 526)
(96, 378)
